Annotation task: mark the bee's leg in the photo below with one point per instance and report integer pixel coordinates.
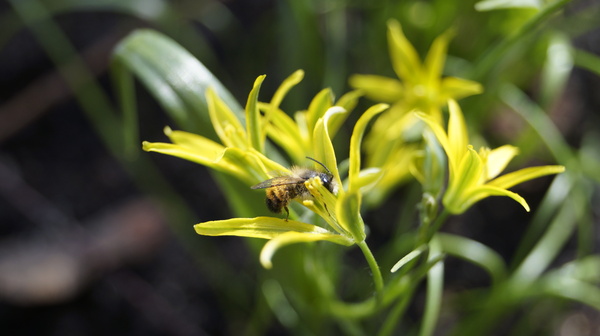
(327, 209)
(287, 211)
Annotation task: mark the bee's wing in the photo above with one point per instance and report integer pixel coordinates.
(277, 181)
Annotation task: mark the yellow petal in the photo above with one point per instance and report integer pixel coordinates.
(526, 174)
(296, 237)
(498, 159)
(318, 107)
(405, 58)
(442, 137)
(378, 88)
(462, 181)
(457, 88)
(228, 127)
(258, 227)
(356, 141)
(457, 132)
(323, 147)
(348, 215)
(324, 204)
(368, 178)
(436, 58)
(285, 133)
(254, 129)
(194, 142)
(485, 191)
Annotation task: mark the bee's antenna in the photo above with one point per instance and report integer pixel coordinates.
(322, 165)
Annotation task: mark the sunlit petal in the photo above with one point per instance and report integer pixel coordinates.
(436, 58)
(498, 159)
(457, 132)
(405, 58)
(463, 180)
(526, 174)
(378, 88)
(356, 141)
(258, 227)
(485, 191)
(457, 88)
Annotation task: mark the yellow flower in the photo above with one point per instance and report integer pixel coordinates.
(241, 153)
(420, 85)
(391, 144)
(472, 174)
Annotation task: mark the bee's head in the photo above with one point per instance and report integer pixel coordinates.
(329, 182)
(327, 178)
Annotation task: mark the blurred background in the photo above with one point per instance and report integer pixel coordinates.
(88, 246)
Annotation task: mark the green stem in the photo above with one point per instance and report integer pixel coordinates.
(376, 272)
(427, 232)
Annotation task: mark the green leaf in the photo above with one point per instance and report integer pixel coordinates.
(435, 286)
(412, 255)
(488, 5)
(175, 77)
(587, 61)
(474, 252)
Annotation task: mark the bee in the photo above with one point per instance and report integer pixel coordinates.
(282, 190)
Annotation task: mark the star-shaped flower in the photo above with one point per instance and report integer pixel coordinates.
(472, 174)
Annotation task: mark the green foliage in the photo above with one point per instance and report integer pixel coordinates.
(311, 288)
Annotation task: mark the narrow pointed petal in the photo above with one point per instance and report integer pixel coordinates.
(226, 124)
(378, 88)
(356, 141)
(348, 214)
(296, 237)
(442, 138)
(436, 58)
(324, 204)
(258, 227)
(457, 88)
(254, 130)
(498, 159)
(191, 141)
(318, 106)
(284, 131)
(323, 147)
(405, 58)
(457, 131)
(526, 174)
(462, 181)
(484, 191)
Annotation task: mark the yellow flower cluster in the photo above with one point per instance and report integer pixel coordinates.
(393, 150)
